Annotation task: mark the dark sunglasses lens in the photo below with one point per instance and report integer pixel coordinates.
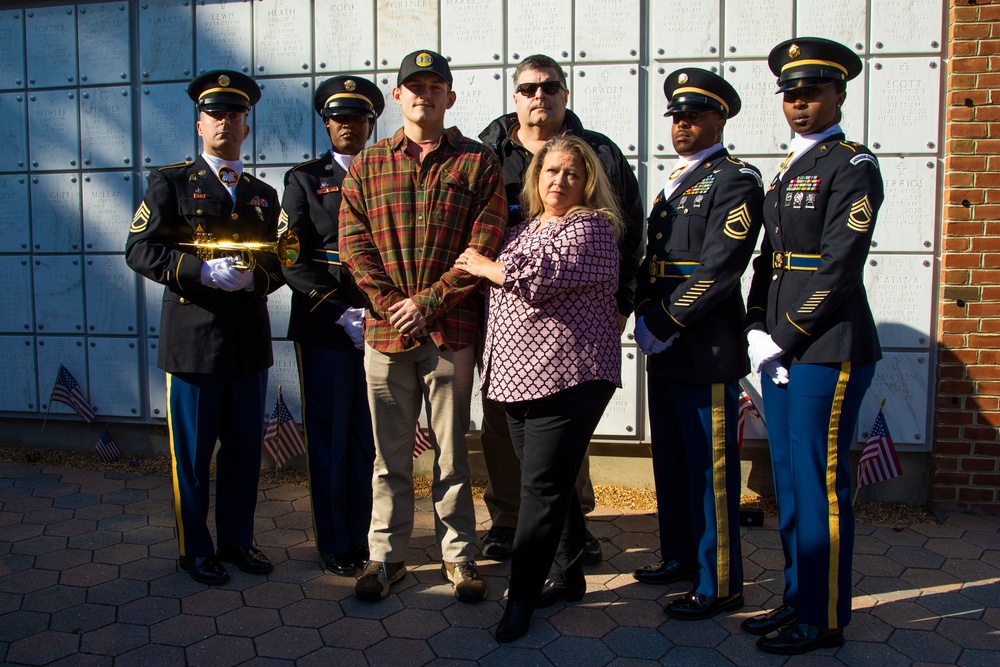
(548, 87)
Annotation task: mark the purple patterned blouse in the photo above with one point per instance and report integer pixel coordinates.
(552, 324)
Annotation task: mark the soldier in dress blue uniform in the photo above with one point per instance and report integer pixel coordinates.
(215, 336)
(811, 332)
(700, 236)
(326, 325)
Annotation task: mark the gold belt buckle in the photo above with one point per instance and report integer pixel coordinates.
(778, 260)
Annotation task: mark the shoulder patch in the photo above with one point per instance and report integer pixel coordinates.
(738, 223)
(860, 218)
(753, 172)
(864, 157)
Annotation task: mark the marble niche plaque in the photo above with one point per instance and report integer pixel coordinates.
(55, 213)
(281, 37)
(15, 294)
(472, 31)
(621, 417)
(283, 122)
(392, 118)
(105, 55)
(900, 295)
(403, 27)
(275, 177)
(13, 132)
(284, 373)
(760, 127)
(279, 309)
(15, 232)
(904, 101)
(853, 113)
(106, 127)
(58, 287)
(344, 35)
(659, 125)
(168, 125)
(19, 390)
(539, 26)
(843, 22)
(50, 33)
(166, 40)
(53, 130)
(606, 97)
(906, 219)
(681, 29)
(152, 293)
(55, 351)
(906, 26)
(753, 28)
(112, 306)
(107, 205)
(11, 49)
(607, 30)
(156, 382)
(656, 175)
(902, 379)
(223, 31)
(114, 377)
(479, 95)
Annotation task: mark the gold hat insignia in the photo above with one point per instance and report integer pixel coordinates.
(794, 51)
(223, 80)
(424, 60)
(682, 78)
(349, 85)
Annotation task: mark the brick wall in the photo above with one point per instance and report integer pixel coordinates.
(966, 452)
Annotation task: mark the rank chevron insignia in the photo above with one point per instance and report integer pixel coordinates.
(140, 219)
(282, 222)
(861, 215)
(738, 223)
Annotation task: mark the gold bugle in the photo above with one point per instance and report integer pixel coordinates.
(287, 249)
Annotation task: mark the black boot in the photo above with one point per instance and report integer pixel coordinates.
(515, 622)
(571, 587)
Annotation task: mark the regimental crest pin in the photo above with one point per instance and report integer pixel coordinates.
(223, 80)
(349, 85)
(794, 51)
(682, 78)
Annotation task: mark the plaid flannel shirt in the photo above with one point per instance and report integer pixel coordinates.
(403, 225)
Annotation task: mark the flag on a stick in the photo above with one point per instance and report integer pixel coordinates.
(67, 390)
(879, 460)
(422, 443)
(282, 438)
(746, 408)
(106, 447)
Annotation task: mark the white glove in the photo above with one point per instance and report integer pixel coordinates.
(229, 278)
(208, 267)
(649, 343)
(774, 370)
(762, 349)
(353, 321)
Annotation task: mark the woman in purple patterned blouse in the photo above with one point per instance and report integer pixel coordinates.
(552, 356)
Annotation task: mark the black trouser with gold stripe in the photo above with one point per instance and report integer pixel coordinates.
(696, 465)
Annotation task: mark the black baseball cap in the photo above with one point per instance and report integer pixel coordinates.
(423, 61)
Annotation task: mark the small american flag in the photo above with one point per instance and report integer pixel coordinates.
(106, 447)
(282, 438)
(746, 408)
(879, 460)
(67, 390)
(422, 443)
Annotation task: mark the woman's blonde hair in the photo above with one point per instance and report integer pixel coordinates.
(597, 195)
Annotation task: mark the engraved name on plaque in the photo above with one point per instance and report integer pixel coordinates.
(659, 125)
(58, 288)
(106, 127)
(53, 352)
(156, 381)
(901, 378)
(14, 211)
(279, 310)
(281, 37)
(752, 27)
(761, 126)
(606, 98)
(607, 30)
(55, 213)
(107, 201)
(112, 306)
(11, 49)
(479, 95)
(403, 27)
(114, 376)
(284, 373)
(539, 26)
(224, 30)
(13, 132)
(392, 118)
(900, 295)
(51, 46)
(621, 417)
(906, 26)
(904, 97)
(19, 390)
(681, 29)
(352, 25)
(283, 120)
(168, 125)
(152, 293)
(853, 112)
(166, 40)
(472, 31)
(104, 43)
(843, 22)
(15, 294)
(53, 130)
(906, 219)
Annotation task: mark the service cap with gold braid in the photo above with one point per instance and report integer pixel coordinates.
(692, 89)
(348, 95)
(812, 61)
(224, 90)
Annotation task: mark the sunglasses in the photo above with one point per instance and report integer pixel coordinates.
(548, 87)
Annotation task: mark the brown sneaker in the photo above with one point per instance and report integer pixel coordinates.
(463, 576)
(374, 583)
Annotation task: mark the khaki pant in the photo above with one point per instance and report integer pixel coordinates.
(397, 384)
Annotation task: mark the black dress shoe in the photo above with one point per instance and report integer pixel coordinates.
(801, 638)
(765, 624)
(696, 607)
(361, 556)
(249, 559)
(341, 564)
(204, 569)
(515, 622)
(592, 553)
(570, 589)
(665, 573)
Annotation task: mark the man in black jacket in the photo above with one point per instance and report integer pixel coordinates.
(540, 97)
